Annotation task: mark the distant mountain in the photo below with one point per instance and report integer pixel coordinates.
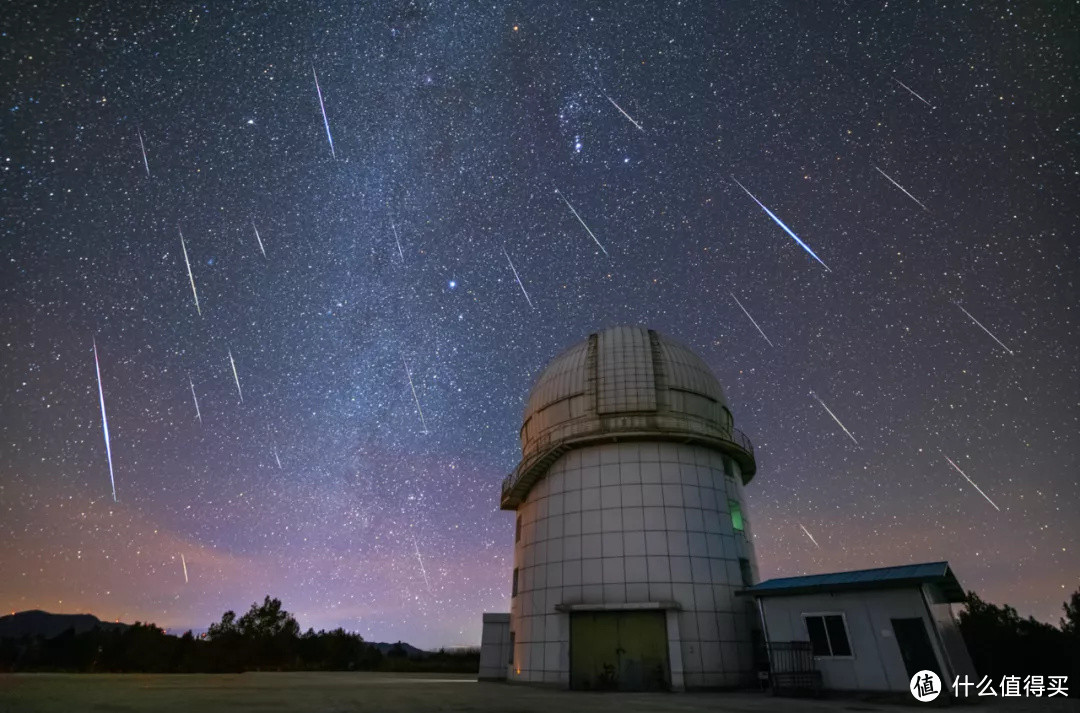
(42, 623)
(410, 651)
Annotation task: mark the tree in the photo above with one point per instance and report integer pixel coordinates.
(1071, 623)
(1001, 642)
(225, 628)
(265, 637)
(268, 621)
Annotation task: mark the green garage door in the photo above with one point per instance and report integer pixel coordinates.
(619, 650)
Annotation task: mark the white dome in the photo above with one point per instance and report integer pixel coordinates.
(624, 383)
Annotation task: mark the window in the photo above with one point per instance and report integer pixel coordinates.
(747, 573)
(828, 634)
(736, 515)
(517, 530)
(511, 661)
(513, 589)
(729, 468)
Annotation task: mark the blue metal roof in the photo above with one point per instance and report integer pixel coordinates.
(938, 573)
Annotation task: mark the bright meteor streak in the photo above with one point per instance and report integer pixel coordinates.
(142, 146)
(415, 398)
(984, 328)
(517, 278)
(184, 563)
(322, 107)
(639, 126)
(954, 465)
(781, 224)
(829, 411)
(261, 248)
(581, 221)
(912, 92)
(236, 377)
(104, 421)
(903, 189)
(810, 536)
(191, 277)
(750, 318)
(198, 414)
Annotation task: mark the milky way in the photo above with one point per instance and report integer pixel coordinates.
(451, 125)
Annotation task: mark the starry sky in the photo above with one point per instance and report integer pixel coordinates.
(927, 155)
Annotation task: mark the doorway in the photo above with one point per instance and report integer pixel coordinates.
(619, 651)
(915, 647)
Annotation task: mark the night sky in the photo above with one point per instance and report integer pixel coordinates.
(388, 254)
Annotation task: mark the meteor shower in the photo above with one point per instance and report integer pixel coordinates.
(316, 316)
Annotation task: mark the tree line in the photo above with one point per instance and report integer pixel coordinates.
(1003, 643)
(266, 638)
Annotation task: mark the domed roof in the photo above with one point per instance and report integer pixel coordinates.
(623, 383)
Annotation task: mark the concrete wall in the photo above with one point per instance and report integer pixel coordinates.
(875, 663)
(494, 647)
(633, 523)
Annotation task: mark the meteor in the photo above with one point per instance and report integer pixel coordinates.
(184, 563)
(829, 411)
(191, 277)
(397, 241)
(581, 221)
(143, 148)
(984, 328)
(417, 400)
(912, 92)
(749, 317)
(954, 465)
(322, 107)
(810, 536)
(422, 570)
(277, 459)
(517, 278)
(781, 224)
(261, 248)
(198, 414)
(903, 189)
(235, 377)
(104, 421)
(639, 126)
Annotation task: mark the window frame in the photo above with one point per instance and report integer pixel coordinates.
(734, 506)
(746, 571)
(517, 530)
(514, 585)
(828, 639)
(729, 468)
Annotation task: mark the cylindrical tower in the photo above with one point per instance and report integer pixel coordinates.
(632, 534)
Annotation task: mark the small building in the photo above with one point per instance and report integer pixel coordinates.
(868, 630)
(496, 649)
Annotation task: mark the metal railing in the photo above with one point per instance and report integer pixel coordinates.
(742, 441)
(791, 669)
(542, 445)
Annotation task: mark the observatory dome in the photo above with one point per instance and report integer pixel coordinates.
(623, 384)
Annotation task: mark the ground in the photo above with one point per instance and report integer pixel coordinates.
(392, 693)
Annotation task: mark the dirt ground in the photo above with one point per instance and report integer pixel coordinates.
(394, 693)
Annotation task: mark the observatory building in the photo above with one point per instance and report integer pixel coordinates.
(631, 536)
